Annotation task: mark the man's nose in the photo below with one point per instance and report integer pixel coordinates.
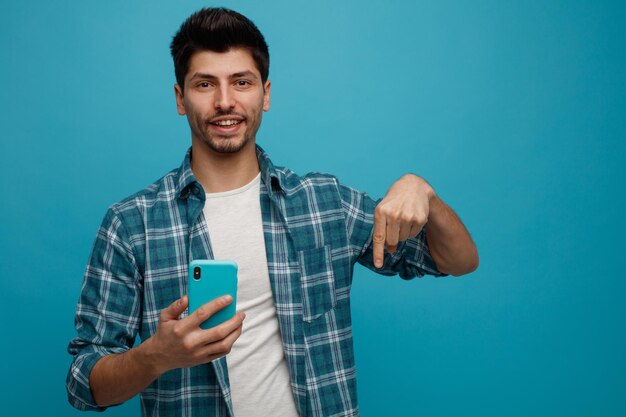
(224, 98)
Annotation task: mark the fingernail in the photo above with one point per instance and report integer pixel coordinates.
(378, 263)
(227, 298)
(243, 315)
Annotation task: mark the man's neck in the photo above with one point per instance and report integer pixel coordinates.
(218, 172)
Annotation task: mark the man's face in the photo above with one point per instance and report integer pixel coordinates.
(223, 99)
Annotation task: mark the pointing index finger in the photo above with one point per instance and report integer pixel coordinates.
(378, 239)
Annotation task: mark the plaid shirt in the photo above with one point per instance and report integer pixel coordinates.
(315, 230)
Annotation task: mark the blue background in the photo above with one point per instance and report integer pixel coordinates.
(513, 111)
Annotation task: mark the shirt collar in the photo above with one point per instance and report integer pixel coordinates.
(272, 177)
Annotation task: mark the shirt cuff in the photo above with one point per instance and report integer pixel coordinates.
(78, 388)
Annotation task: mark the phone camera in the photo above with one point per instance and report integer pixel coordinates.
(197, 272)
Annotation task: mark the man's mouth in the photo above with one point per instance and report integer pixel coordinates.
(226, 122)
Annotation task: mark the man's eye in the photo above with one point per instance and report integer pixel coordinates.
(242, 83)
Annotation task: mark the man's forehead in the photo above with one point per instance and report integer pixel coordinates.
(219, 64)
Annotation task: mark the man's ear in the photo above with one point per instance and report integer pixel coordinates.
(266, 95)
(180, 103)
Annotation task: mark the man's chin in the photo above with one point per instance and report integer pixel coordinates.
(226, 145)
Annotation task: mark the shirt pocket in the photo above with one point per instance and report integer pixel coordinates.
(317, 281)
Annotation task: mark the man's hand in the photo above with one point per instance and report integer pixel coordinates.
(177, 343)
(181, 343)
(401, 214)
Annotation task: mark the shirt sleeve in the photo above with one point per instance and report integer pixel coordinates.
(412, 257)
(108, 313)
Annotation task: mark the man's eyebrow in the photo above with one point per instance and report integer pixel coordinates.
(206, 76)
(203, 75)
(247, 73)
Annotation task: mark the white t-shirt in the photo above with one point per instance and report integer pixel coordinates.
(257, 369)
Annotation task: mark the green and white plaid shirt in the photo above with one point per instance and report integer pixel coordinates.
(315, 230)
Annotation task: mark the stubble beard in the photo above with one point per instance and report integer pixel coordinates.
(225, 144)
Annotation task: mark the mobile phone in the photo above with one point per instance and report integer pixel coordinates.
(211, 279)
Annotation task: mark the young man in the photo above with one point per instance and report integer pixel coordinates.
(295, 239)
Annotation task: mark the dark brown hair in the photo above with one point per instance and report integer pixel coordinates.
(218, 30)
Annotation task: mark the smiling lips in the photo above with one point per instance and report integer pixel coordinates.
(227, 119)
(229, 123)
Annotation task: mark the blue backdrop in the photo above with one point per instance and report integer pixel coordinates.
(514, 111)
